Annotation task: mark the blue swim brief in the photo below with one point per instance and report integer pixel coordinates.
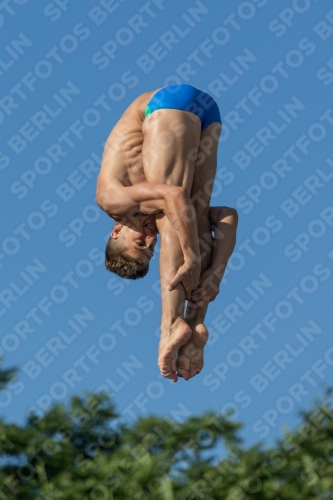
(186, 98)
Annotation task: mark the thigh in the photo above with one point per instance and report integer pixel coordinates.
(169, 152)
(170, 146)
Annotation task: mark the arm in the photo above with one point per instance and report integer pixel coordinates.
(119, 201)
(224, 221)
(173, 201)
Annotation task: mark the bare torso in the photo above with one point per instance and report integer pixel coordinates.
(122, 158)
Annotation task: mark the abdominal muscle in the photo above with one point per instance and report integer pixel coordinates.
(124, 145)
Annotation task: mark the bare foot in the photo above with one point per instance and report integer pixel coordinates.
(170, 343)
(190, 358)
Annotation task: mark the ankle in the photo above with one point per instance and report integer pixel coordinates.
(167, 324)
(171, 324)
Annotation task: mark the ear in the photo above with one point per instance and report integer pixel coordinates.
(116, 230)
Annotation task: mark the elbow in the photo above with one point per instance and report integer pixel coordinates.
(234, 214)
(234, 217)
(101, 199)
(230, 212)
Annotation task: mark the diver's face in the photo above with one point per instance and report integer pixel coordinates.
(139, 235)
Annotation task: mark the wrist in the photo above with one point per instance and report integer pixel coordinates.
(217, 269)
(191, 257)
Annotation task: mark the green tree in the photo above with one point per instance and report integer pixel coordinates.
(6, 376)
(82, 452)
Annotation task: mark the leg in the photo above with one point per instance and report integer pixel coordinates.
(190, 359)
(170, 146)
(171, 139)
(174, 329)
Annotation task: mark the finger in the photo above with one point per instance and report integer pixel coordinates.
(174, 281)
(198, 291)
(199, 296)
(195, 300)
(196, 305)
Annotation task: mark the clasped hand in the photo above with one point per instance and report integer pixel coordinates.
(207, 290)
(189, 275)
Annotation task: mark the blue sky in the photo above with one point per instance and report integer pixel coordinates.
(269, 66)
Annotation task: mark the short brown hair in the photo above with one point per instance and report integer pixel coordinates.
(121, 264)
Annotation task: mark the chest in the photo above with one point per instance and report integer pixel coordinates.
(129, 167)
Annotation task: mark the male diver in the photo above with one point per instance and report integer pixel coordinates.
(157, 174)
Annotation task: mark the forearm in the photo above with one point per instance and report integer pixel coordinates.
(180, 212)
(224, 241)
(223, 221)
(197, 316)
(151, 198)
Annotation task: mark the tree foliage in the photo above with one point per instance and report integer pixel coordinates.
(82, 452)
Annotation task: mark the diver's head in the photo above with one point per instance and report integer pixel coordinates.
(131, 246)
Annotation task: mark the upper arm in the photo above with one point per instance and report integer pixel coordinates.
(115, 201)
(147, 198)
(111, 194)
(107, 180)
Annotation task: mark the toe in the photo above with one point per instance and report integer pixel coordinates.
(194, 372)
(182, 372)
(171, 375)
(183, 367)
(168, 371)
